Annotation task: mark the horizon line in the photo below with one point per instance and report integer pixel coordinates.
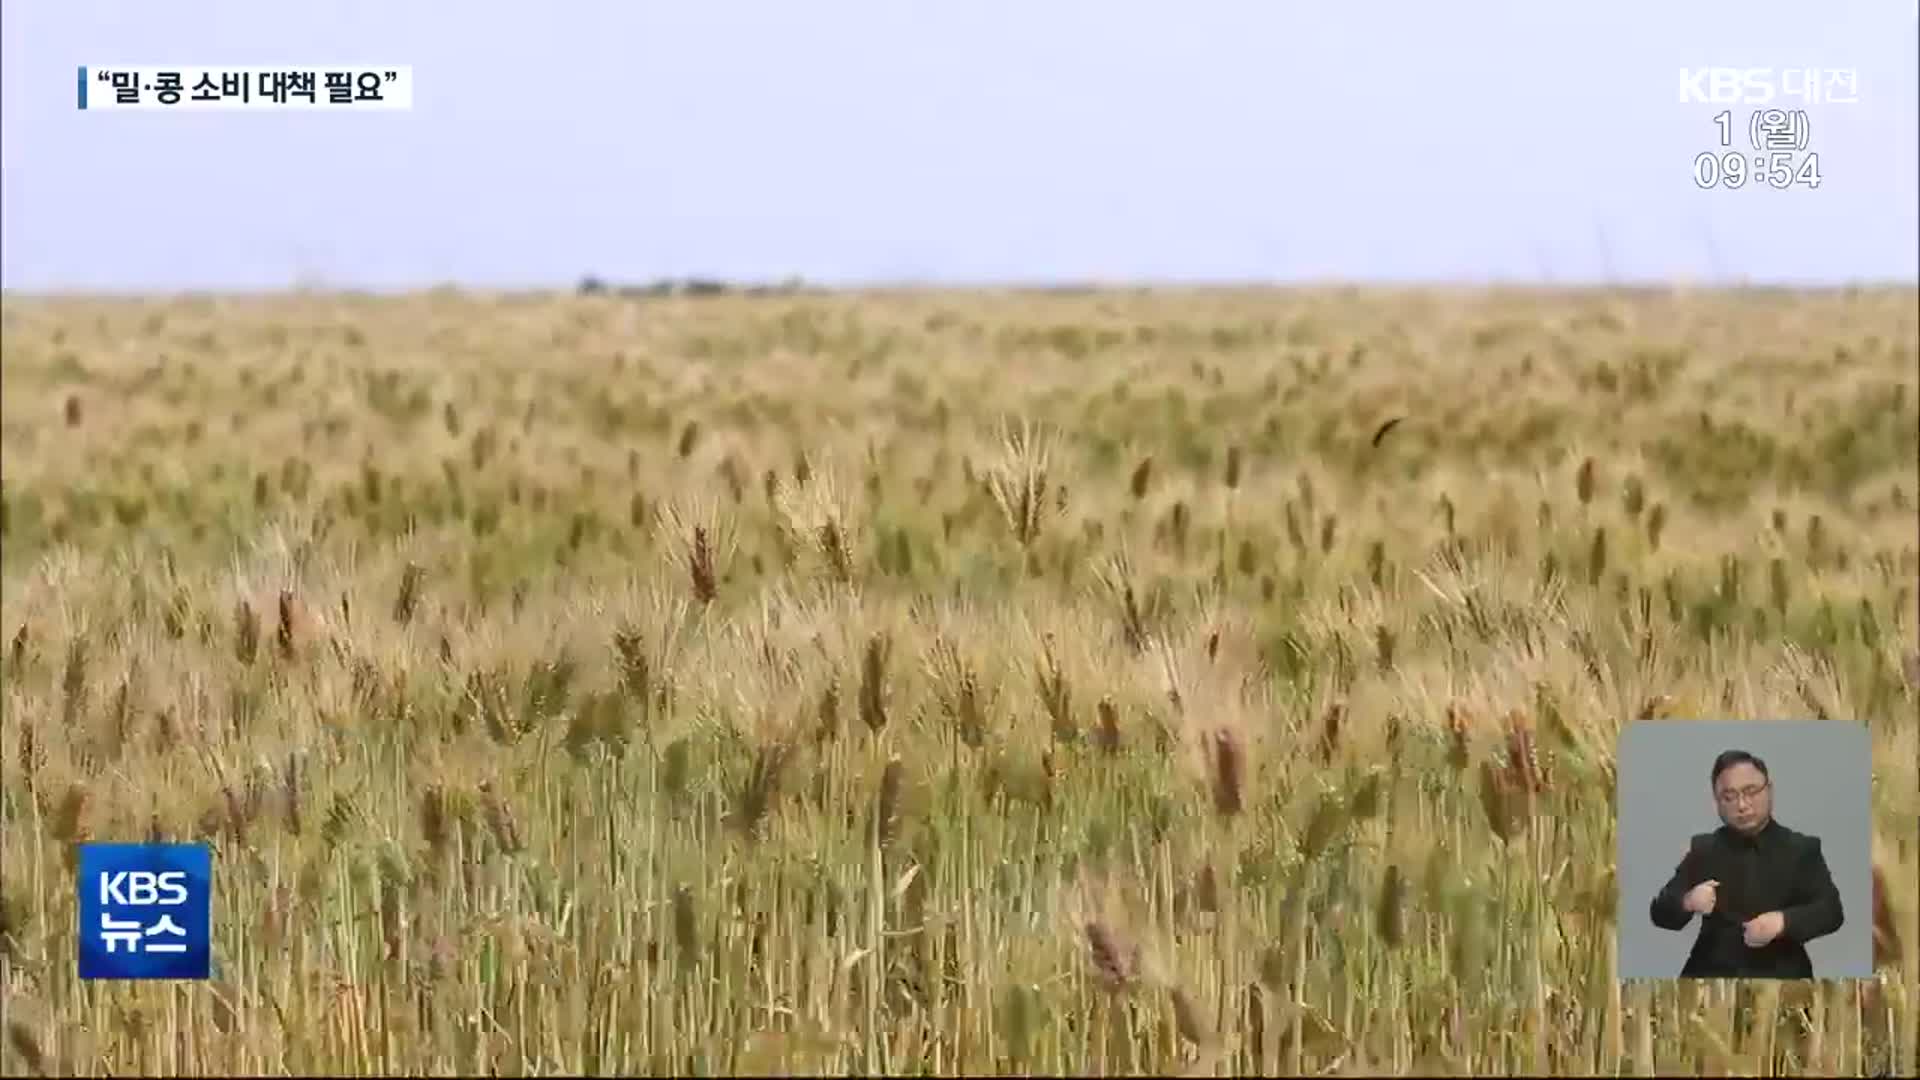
(717, 287)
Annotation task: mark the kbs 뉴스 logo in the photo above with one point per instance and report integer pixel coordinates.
(145, 911)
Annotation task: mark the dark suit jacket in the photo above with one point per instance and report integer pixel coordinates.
(1777, 870)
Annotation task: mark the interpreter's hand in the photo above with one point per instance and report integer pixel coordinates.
(1700, 899)
(1762, 929)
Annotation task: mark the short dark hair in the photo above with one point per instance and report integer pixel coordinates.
(1729, 758)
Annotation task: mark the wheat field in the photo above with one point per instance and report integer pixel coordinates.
(1070, 683)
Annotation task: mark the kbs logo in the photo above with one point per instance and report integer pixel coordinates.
(145, 911)
(1766, 86)
(141, 888)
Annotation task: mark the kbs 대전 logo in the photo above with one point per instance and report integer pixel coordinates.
(145, 911)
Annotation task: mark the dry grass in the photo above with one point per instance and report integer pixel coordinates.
(1047, 683)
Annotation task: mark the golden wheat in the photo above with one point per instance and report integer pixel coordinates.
(531, 739)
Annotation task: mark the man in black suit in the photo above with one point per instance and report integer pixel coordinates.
(1762, 890)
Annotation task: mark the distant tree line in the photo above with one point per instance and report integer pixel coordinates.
(596, 286)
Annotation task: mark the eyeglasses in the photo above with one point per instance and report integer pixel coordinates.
(1747, 794)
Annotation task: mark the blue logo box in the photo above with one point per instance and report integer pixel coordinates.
(145, 911)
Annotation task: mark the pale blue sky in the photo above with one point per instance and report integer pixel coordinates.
(959, 140)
